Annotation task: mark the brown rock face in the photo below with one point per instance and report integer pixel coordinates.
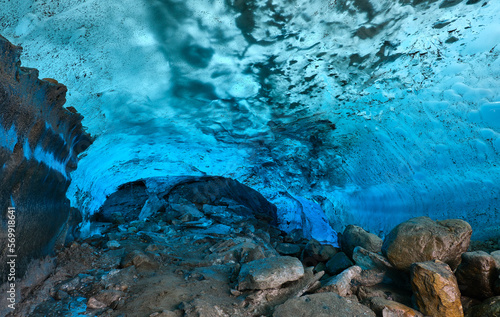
(476, 274)
(422, 239)
(36, 157)
(436, 289)
(322, 305)
(354, 236)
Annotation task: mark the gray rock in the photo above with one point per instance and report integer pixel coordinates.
(324, 304)
(288, 249)
(140, 260)
(319, 252)
(384, 291)
(236, 250)
(152, 206)
(294, 236)
(119, 280)
(223, 214)
(70, 285)
(370, 260)
(476, 274)
(388, 308)
(187, 211)
(113, 244)
(320, 267)
(104, 298)
(354, 236)
(338, 263)
(269, 273)
(422, 239)
(342, 283)
(199, 307)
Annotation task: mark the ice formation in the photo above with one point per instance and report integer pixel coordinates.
(374, 111)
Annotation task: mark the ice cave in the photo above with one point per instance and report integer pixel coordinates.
(250, 157)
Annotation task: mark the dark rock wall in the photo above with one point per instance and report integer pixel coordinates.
(39, 144)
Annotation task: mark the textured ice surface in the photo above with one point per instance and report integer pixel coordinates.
(377, 111)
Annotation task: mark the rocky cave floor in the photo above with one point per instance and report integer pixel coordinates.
(205, 260)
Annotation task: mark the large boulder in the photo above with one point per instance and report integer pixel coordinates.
(269, 272)
(354, 236)
(323, 304)
(422, 239)
(436, 289)
(477, 274)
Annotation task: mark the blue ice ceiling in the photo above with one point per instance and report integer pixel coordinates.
(377, 111)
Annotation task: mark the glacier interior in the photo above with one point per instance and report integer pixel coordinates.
(365, 112)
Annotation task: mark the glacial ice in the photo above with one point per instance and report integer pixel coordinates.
(374, 113)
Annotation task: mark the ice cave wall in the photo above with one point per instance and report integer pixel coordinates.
(377, 111)
(39, 144)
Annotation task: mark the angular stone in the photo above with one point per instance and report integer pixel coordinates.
(422, 239)
(263, 302)
(388, 308)
(239, 249)
(152, 205)
(269, 273)
(288, 249)
(324, 304)
(436, 289)
(319, 252)
(199, 307)
(295, 236)
(113, 244)
(93, 303)
(387, 292)
(70, 285)
(342, 283)
(354, 236)
(221, 214)
(489, 308)
(321, 266)
(104, 298)
(476, 274)
(119, 280)
(139, 259)
(369, 260)
(338, 263)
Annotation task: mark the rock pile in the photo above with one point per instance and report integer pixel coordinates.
(206, 255)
